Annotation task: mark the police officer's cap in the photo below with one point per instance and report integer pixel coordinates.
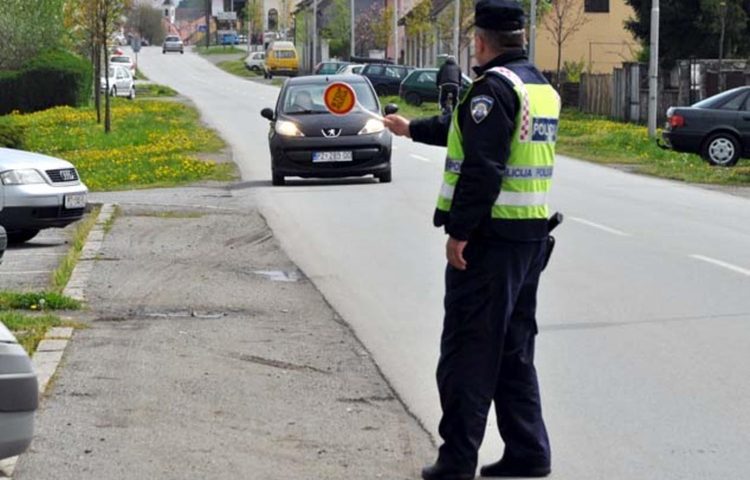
(501, 15)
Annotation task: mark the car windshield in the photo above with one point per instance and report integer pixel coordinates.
(284, 54)
(120, 59)
(717, 100)
(308, 99)
(172, 39)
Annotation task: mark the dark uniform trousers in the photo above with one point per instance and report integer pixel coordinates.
(448, 97)
(487, 353)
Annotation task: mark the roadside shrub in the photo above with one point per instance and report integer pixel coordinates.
(51, 79)
(11, 136)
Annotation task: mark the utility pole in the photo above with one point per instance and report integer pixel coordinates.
(723, 10)
(208, 23)
(395, 32)
(351, 33)
(456, 29)
(532, 31)
(653, 74)
(315, 34)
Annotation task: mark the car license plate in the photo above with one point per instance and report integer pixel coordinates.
(320, 157)
(76, 200)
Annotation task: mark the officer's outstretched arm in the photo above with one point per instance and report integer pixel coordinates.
(431, 130)
(487, 127)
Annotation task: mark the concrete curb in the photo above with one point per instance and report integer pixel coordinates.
(49, 353)
(79, 279)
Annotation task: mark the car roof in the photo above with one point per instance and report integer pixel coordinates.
(323, 79)
(11, 159)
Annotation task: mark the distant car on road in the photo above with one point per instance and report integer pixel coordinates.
(421, 86)
(351, 69)
(121, 83)
(281, 59)
(123, 61)
(172, 43)
(19, 396)
(307, 141)
(717, 128)
(386, 78)
(37, 192)
(256, 61)
(329, 68)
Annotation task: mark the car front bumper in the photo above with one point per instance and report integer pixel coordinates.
(371, 154)
(39, 206)
(172, 48)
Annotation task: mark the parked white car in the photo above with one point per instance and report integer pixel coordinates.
(37, 192)
(19, 396)
(123, 61)
(256, 61)
(351, 69)
(121, 82)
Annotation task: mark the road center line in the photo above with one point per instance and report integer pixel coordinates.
(39, 272)
(720, 263)
(420, 158)
(599, 226)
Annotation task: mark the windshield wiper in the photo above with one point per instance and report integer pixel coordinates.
(306, 112)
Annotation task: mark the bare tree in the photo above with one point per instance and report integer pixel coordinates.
(564, 19)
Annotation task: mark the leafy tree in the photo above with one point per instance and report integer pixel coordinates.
(692, 28)
(564, 19)
(254, 20)
(382, 28)
(338, 28)
(147, 21)
(26, 28)
(373, 28)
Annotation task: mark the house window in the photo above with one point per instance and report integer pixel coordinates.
(596, 6)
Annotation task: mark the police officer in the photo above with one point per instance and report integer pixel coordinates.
(449, 84)
(493, 205)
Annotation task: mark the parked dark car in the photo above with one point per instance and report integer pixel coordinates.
(307, 141)
(329, 68)
(717, 128)
(386, 78)
(421, 86)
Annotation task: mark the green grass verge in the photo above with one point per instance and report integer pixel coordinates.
(37, 301)
(64, 270)
(151, 144)
(427, 109)
(237, 67)
(219, 50)
(600, 140)
(111, 220)
(29, 329)
(154, 90)
(139, 75)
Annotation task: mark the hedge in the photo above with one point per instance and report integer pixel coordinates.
(51, 79)
(11, 136)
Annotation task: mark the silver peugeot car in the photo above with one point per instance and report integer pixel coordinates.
(37, 192)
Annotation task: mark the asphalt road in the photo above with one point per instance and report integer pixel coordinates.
(644, 310)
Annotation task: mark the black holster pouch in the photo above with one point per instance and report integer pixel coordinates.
(553, 222)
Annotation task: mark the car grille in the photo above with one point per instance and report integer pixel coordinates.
(57, 212)
(63, 175)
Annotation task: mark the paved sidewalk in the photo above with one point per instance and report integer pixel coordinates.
(211, 356)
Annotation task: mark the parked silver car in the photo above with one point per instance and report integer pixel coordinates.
(19, 396)
(36, 192)
(121, 82)
(172, 43)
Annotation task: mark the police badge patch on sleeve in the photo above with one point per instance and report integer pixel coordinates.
(480, 107)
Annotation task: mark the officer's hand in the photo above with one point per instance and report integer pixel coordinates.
(454, 250)
(397, 124)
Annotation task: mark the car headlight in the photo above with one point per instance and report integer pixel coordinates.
(21, 177)
(373, 125)
(288, 129)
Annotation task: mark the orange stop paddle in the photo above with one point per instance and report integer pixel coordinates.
(340, 99)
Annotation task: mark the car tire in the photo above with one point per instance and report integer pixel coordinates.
(163, 52)
(255, 68)
(277, 180)
(384, 177)
(131, 95)
(413, 98)
(21, 236)
(721, 149)
(114, 92)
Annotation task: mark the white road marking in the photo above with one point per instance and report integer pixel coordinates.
(30, 272)
(420, 158)
(722, 264)
(599, 226)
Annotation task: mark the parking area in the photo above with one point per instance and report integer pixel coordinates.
(29, 266)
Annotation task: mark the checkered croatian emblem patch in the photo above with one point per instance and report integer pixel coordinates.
(481, 106)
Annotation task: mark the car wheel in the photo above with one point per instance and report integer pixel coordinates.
(163, 52)
(413, 98)
(277, 180)
(721, 149)
(21, 236)
(255, 68)
(131, 96)
(114, 92)
(384, 177)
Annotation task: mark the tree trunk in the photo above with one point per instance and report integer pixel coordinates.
(97, 54)
(559, 65)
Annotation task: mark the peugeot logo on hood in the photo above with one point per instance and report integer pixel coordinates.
(331, 132)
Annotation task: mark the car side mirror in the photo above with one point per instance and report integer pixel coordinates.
(267, 113)
(391, 109)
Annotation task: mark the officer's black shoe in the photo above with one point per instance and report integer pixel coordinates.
(514, 468)
(438, 471)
